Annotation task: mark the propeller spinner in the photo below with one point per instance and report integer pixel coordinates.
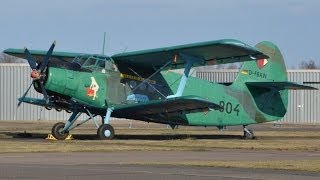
(38, 72)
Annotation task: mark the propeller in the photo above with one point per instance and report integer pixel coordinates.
(38, 72)
(24, 95)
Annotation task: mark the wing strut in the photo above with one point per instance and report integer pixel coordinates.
(148, 78)
(189, 62)
(146, 81)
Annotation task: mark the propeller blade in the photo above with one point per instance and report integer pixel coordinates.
(24, 95)
(44, 92)
(46, 59)
(31, 62)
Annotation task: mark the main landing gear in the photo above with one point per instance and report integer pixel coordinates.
(57, 131)
(105, 131)
(247, 133)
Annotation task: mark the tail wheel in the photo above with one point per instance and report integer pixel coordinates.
(248, 134)
(105, 132)
(57, 131)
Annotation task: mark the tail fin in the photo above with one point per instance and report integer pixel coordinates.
(267, 82)
(272, 69)
(264, 79)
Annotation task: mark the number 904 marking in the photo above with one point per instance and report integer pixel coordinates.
(229, 108)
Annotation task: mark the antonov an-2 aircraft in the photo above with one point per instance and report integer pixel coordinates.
(139, 85)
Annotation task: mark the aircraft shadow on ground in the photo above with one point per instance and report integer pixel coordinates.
(126, 137)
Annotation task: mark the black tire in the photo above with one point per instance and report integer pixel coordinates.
(48, 108)
(249, 135)
(57, 109)
(105, 132)
(57, 131)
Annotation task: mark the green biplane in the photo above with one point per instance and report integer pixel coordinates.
(141, 86)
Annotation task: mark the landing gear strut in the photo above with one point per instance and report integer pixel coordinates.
(247, 133)
(61, 130)
(105, 131)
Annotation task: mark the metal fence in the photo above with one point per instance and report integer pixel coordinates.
(303, 106)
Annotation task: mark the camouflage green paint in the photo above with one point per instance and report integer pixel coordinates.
(242, 104)
(77, 85)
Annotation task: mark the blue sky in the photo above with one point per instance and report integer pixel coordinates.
(78, 25)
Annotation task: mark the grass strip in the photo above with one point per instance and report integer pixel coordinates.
(308, 145)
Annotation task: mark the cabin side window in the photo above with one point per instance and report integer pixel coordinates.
(95, 63)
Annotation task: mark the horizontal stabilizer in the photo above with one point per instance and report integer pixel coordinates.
(280, 85)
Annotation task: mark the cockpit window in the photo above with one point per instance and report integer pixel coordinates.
(95, 63)
(102, 63)
(89, 62)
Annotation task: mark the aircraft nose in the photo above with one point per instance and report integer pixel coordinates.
(35, 74)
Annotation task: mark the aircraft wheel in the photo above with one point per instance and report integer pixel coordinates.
(105, 132)
(248, 134)
(57, 131)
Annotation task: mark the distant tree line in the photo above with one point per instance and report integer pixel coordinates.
(311, 64)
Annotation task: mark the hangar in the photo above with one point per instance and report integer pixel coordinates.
(303, 106)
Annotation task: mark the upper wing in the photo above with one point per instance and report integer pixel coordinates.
(164, 109)
(280, 85)
(207, 53)
(38, 55)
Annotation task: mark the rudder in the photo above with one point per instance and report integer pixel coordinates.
(271, 102)
(272, 69)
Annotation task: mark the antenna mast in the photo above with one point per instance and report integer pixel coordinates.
(104, 42)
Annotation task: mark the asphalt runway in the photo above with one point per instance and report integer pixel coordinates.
(120, 165)
(123, 165)
(111, 171)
